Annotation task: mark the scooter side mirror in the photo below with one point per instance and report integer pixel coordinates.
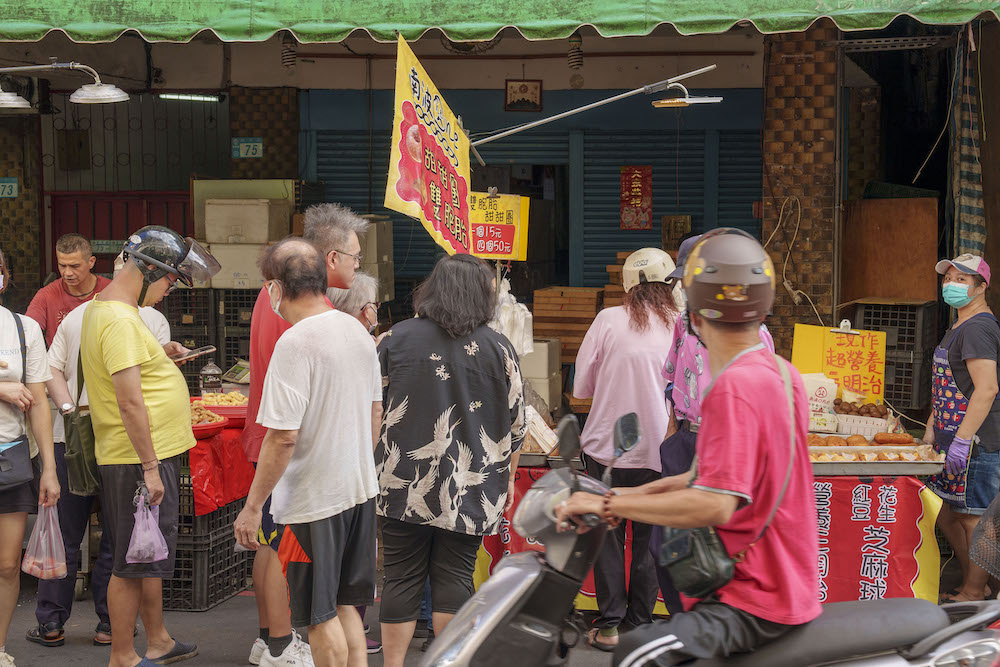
(627, 433)
(568, 433)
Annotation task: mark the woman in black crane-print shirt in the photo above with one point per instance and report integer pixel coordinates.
(453, 426)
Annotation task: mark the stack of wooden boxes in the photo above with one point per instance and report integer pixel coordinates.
(614, 292)
(566, 313)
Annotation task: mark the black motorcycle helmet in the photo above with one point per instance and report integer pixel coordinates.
(169, 253)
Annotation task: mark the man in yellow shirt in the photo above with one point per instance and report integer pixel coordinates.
(140, 410)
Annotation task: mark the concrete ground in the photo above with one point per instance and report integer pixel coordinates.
(223, 634)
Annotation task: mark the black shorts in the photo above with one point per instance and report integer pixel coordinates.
(118, 485)
(329, 563)
(413, 553)
(710, 630)
(23, 498)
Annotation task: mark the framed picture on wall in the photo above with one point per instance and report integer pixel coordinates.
(523, 95)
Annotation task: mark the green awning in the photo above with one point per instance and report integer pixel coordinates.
(461, 20)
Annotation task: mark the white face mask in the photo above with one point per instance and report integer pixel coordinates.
(275, 306)
(1, 282)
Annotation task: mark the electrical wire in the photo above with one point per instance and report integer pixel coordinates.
(947, 119)
(902, 415)
(788, 253)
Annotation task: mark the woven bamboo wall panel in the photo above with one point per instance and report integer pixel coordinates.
(864, 151)
(273, 115)
(20, 231)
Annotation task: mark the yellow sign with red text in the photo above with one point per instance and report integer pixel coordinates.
(499, 226)
(429, 161)
(856, 361)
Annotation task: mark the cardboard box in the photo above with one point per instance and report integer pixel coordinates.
(298, 224)
(377, 245)
(384, 272)
(543, 361)
(548, 389)
(239, 265)
(246, 221)
(237, 188)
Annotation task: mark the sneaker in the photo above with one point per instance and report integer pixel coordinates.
(6, 660)
(374, 646)
(368, 628)
(296, 654)
(257, 651)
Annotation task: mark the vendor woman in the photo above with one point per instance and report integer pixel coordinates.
(965, 419)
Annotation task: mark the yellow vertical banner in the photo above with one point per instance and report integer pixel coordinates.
(429, 160)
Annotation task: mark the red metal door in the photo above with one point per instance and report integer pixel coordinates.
(114, 215)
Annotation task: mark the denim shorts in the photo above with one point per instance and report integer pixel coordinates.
(983, 483)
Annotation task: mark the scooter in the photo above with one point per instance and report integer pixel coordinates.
(524, 615)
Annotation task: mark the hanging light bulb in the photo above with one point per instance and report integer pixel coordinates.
(575, 56)
(289, 48)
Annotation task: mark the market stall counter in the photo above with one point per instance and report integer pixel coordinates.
(220, 471)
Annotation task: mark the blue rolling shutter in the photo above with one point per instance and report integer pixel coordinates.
(678, 189)
(529, 148)
(342, 166)
(740, 170)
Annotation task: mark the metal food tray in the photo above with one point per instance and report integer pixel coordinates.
(576, 463)
(532, 460)
(877, 468)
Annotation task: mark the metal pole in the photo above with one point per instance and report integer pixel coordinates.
(648, 90)
(51, 67)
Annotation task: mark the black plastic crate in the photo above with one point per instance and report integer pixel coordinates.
(234, 343)
(907, 380)
(190, 308)
(908, 328)
(206, 576)
(193, 338)
(235, 306)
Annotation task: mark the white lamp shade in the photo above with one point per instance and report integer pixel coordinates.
(13, 101)
(98, 93)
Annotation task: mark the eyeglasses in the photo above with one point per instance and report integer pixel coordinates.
(357, 258)
(174, 284)
(373, 304)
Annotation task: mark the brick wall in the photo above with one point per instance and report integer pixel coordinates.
(864, 147)
(273, 115)
(20, 231)
(799, 137)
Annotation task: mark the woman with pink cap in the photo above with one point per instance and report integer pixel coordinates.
(965, 416)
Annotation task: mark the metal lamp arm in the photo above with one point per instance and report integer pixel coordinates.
(52, 67)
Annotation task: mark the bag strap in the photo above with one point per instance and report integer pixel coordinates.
(79, 381)
(786, 378)
(24, 359)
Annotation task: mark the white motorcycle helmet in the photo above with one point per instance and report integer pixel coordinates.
(648, 265)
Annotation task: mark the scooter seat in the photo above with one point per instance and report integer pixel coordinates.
(845, 630)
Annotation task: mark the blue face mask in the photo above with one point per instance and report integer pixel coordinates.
(956, 295)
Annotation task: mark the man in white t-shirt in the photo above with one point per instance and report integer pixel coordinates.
(56, 596)
(322, 406)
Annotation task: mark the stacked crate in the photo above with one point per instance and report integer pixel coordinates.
(614, 292)
(235, 309)
(566, 313)
(910, 336)
(191, 315)
(208, 570)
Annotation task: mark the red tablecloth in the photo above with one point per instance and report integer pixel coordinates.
(876, 539)
(220, 471)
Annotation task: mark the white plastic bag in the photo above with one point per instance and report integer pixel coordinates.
(147, 544)
(514, 321)
(821, 392)
(45, 556)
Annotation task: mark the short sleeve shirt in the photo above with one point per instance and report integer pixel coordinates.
(977, 338)
(52, 303)
(12, 420)
(115, 338)
(322, 381)
(743, 450)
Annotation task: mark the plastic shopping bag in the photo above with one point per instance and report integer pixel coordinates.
(147, 544)
(45, 556)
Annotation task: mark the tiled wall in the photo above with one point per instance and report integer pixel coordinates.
(273, 115)
(20, 229)
(799, 134)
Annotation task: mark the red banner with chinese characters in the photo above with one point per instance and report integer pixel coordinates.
(637, 198)
(876, 538)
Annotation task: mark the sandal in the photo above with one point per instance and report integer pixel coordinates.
(40, 635)
(176, 654)
(102, 629)
(599, 645)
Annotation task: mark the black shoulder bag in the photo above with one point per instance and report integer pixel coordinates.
(696, 559)
(15, 460)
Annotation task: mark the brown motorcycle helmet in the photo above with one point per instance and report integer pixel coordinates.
(729, 277)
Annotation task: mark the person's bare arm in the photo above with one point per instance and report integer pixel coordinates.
(132, 406)
(275, 453)
(58, 388)
(674, 483)
(41, 426)
(984, 379)
(376, 422)
(687, 508)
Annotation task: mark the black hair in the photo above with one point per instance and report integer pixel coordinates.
(297, 264)
(458, 296)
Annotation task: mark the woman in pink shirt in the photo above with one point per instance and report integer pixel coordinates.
(619, 366)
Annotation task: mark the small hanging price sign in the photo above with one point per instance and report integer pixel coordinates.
(248, 147)
(8, 188)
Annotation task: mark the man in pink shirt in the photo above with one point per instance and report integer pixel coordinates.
(77, 285)
(336, 231)
(747, 468)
